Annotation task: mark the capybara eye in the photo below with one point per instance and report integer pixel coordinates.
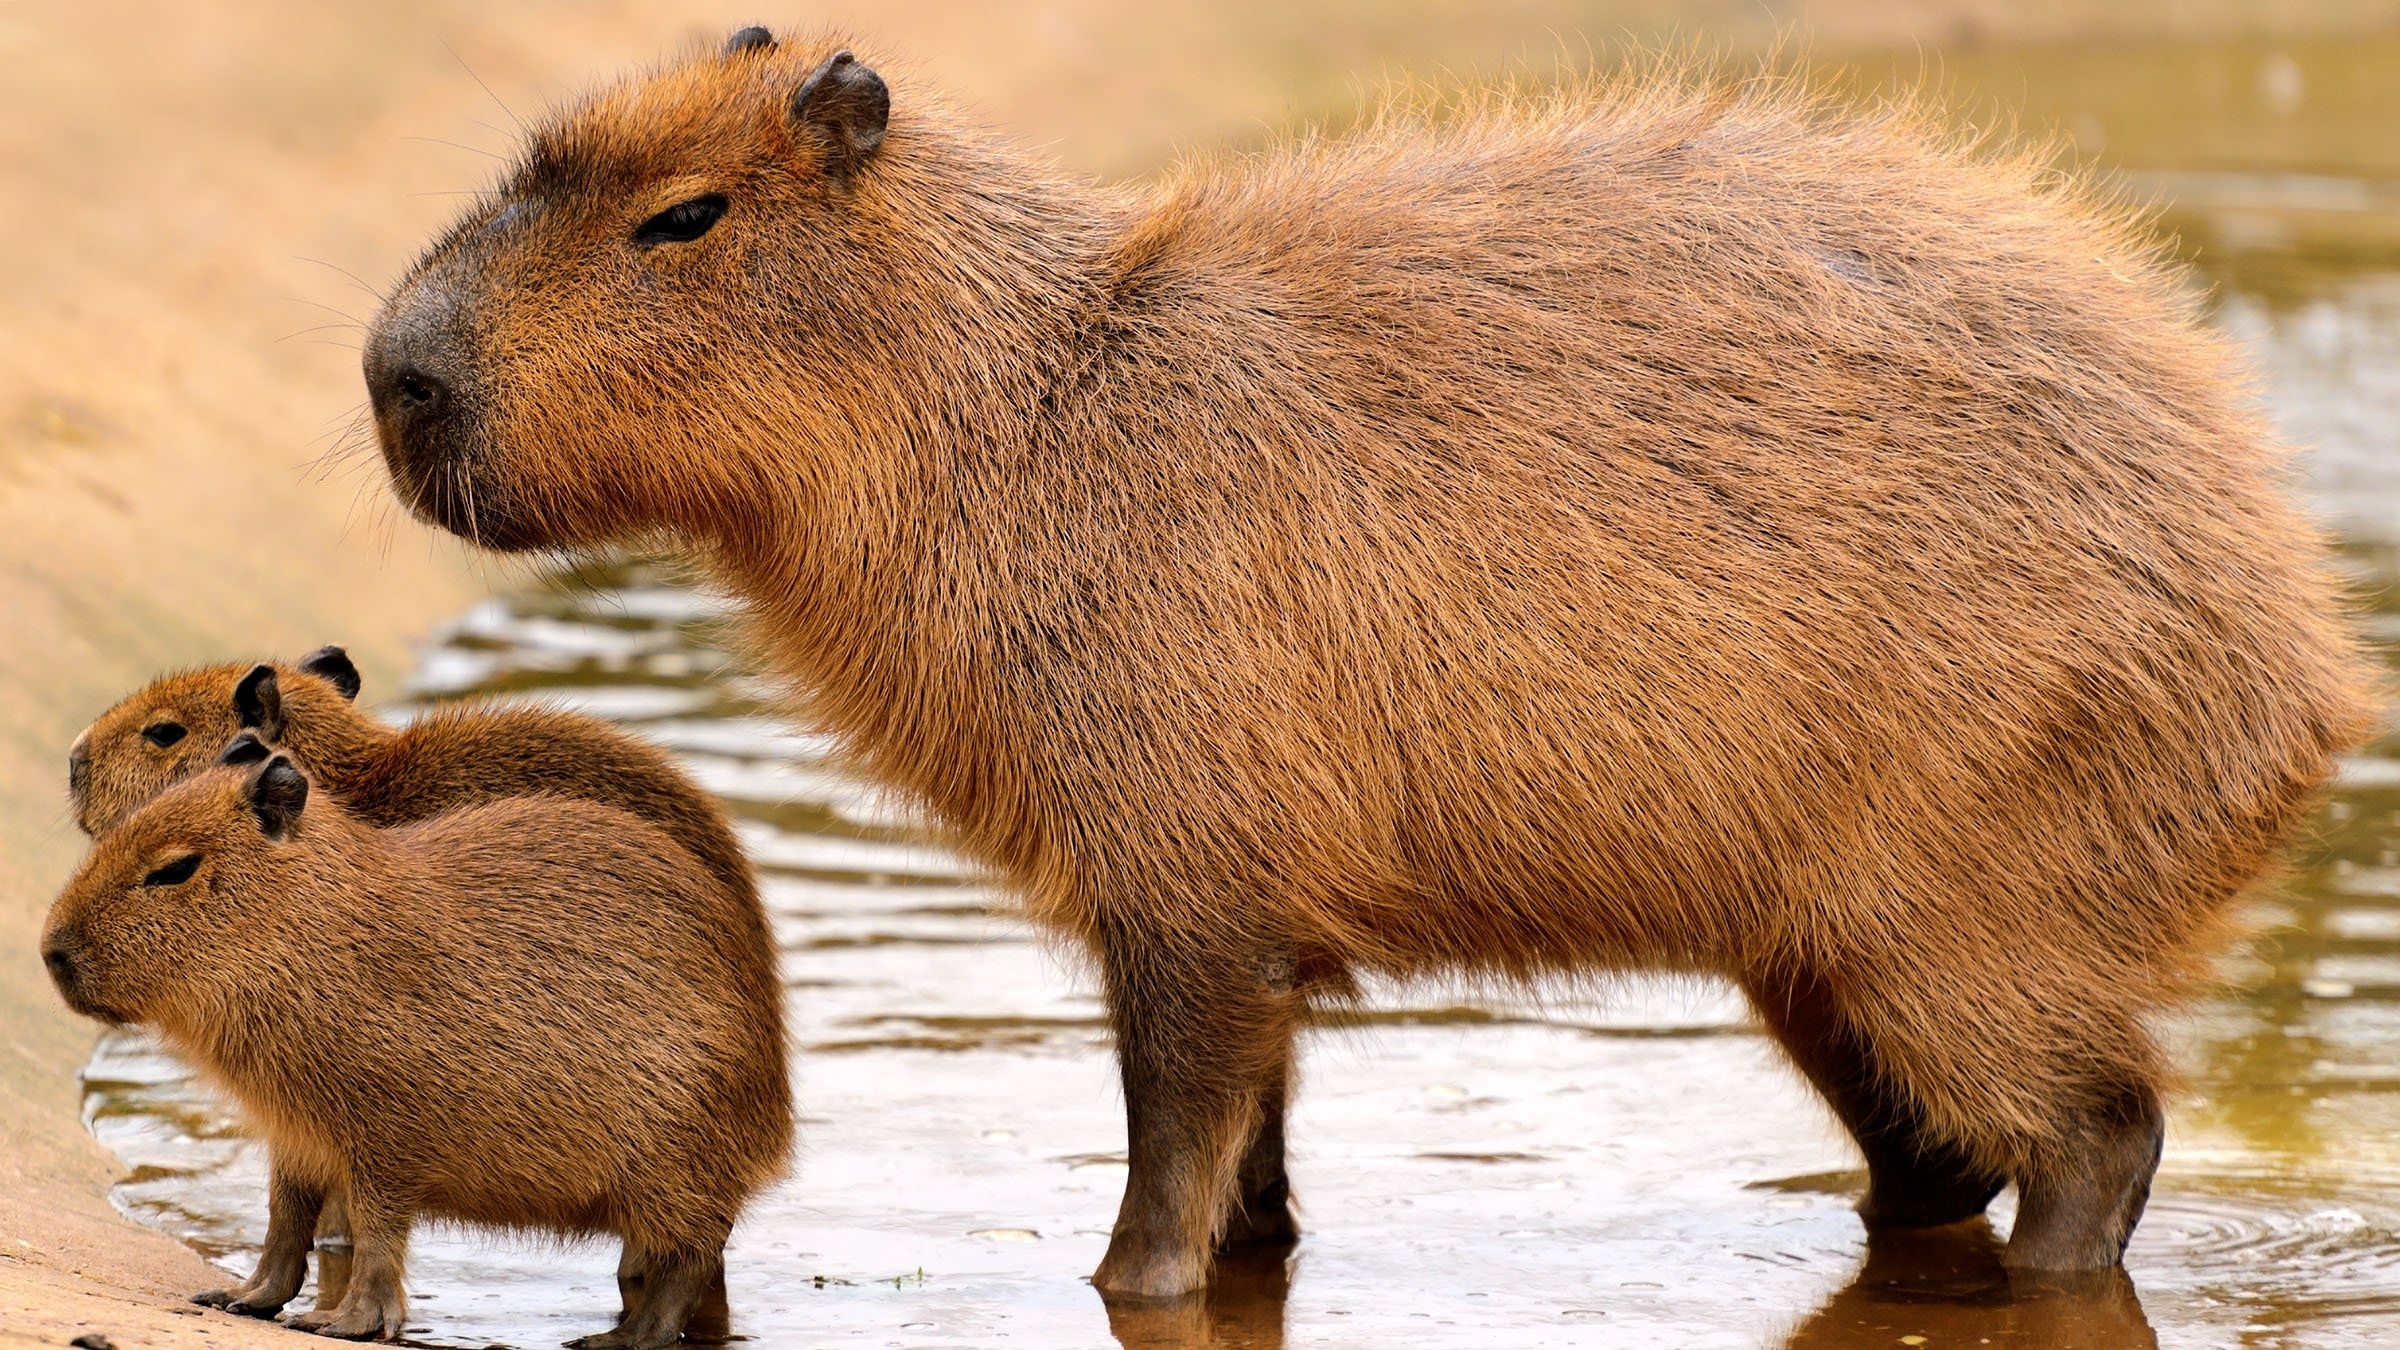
(175, 873)
(163, 733)
(682, 222)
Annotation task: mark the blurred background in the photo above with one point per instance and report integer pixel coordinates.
(199, 203)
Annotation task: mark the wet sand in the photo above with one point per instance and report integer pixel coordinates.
(170, 172)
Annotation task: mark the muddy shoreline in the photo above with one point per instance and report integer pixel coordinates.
(197, 182)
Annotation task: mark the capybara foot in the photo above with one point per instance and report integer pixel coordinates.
(1926, 1193)
(242, 1301)
(1149, 1271)
(622, 1339)
(359, 1321)
(2078, 1212)
(1261, 1220)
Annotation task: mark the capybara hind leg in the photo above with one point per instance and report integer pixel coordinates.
(629, 1283)
(711, 1322)
(675, 1286)
(1262, 1199)
(376, 1304)
(1200, 1034)
(2079, 1199)
(292, 1206)
(333, 1251)
(1914, 1179)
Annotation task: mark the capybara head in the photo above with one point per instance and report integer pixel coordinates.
(179, 723)
(184, 871)
(586, 355)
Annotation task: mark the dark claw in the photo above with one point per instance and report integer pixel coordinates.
(261, 1310)
(213, 1298)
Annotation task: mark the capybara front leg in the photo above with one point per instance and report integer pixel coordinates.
(1199, 1035)
(2079, 1198)
(376, 1304)
(292, 1206)
(1262, 1199)
(675, 1287)
(1914, 1179)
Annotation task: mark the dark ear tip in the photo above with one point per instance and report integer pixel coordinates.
(254, 697)
(333, 665)
(277, 796)
(243, 749)
(749, 39)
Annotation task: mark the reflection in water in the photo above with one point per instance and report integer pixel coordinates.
(1242, 1310)
(1632, 1169)
(1946, 1286)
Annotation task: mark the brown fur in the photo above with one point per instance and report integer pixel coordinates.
(529, 1013)
(1671, 524)
(450, 756)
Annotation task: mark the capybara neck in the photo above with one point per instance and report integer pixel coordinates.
(338, 742)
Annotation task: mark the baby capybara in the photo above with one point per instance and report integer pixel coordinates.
(450, 756)
(533, 1013)
(1672, 523)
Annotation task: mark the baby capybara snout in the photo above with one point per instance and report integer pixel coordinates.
(533, 1012)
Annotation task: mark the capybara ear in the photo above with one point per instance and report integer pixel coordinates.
(246, 748)
(276, 796)
(748, 39)
(258, 701)
(332, 664)
(844, 104)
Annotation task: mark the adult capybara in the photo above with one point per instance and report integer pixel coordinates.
(1672, 523)
(536, 1012)
(453, 755)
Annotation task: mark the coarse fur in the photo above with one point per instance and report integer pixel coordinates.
(449, 756)
(452, 755)
(536, 1013)
(1673, 523)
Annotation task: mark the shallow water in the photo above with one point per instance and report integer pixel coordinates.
(1628, 1166)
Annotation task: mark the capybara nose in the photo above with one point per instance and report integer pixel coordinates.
(417, 392)
(404, 383)
(60, 964)
(79, 765)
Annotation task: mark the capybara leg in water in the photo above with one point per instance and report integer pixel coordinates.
(1203, 1045)
(292, 1212)
(673, 1293)
(1914, 1179)
(1262, 1197)
(2076, 1209)
(376, 1302)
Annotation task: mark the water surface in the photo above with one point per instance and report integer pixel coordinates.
(1625, 1166)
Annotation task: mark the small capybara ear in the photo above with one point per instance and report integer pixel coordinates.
(246, 748)
(276, 796)
(333, 665)
(258, 701)
(845, 105)
(748, 39)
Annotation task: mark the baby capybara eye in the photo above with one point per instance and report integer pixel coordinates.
(682, 222)
(163, 734)
(174, 873)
